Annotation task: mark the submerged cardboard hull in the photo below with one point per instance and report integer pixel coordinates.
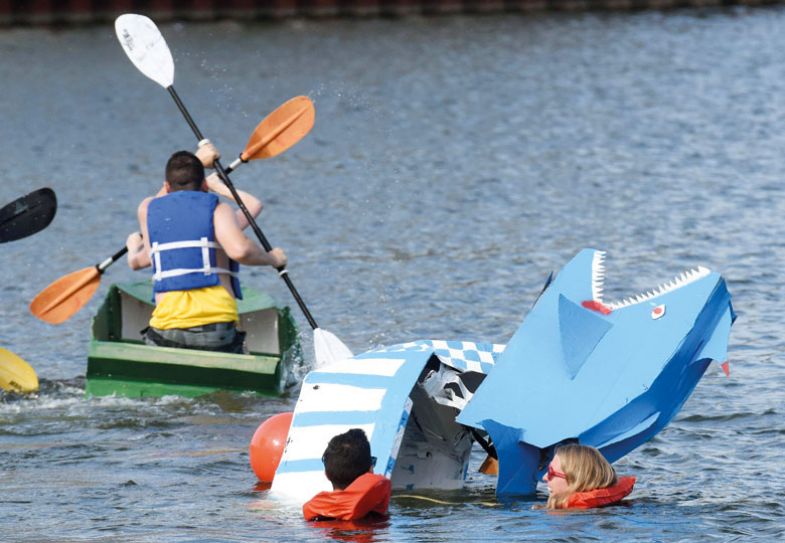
(405, 398)
(120, 363)
(608, 375)
(579, 368)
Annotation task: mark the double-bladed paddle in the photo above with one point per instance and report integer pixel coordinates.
(277, 132)
(146, 48)
(59, 301)
(27, 215)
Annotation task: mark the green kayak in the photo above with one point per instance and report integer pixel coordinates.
(118, 361)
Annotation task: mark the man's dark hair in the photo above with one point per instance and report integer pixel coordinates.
(184, 171)
(346, 457)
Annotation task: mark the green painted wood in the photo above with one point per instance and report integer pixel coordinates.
(101, 386)
(131, 368)
(167, 366)
(187, 358)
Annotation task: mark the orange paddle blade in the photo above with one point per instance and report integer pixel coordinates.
(62, 299)
(280, 129)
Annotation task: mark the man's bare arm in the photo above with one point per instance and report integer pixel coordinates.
(137, 243)
(208, 154)
(252, 203)
(238, 246)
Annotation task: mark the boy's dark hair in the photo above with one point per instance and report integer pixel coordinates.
(346, 457)
(184, 171)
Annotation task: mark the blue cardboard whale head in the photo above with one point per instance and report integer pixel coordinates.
(609, 374)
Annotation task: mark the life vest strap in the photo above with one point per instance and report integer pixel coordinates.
(204, 244)
(158, 276)
(187, 244)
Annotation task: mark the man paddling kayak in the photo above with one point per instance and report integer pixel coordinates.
(194, 244)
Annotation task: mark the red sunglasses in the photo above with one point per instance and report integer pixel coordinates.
(553, 473)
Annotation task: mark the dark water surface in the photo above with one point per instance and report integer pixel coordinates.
(454, 163)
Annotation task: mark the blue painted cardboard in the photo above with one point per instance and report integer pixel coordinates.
(610, 375)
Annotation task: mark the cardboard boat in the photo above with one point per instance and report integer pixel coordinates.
(579, 369)
(118, 361)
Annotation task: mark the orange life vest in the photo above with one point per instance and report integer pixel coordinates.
(601, 496)
(368, 493)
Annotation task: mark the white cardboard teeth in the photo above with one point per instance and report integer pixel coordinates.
(598, 283)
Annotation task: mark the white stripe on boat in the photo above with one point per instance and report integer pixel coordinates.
(386, 367)
(339, 398)
(303, 441)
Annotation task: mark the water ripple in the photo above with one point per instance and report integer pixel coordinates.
(436, 191)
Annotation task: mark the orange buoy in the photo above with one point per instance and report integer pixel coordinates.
(267, 445)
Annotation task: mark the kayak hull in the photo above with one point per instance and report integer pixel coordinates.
(120, 363)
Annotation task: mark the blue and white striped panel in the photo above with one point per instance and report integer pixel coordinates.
(461, 355)
(371, 392)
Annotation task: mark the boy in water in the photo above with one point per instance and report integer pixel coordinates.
(357, 491)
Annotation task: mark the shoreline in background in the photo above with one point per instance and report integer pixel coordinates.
(80, 12)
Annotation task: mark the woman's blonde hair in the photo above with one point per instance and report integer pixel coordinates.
(585, 468)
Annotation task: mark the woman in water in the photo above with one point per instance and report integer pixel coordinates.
(580, 477)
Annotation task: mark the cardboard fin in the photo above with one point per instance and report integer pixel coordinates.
(580, 331)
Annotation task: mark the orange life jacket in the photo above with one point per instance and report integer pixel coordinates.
(601, 496)
(368, 493)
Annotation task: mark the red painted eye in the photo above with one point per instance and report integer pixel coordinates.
(658, 312)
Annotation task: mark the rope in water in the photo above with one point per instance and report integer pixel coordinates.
(442, 502)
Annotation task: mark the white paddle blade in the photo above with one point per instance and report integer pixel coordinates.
(328, 348)
(146, 47)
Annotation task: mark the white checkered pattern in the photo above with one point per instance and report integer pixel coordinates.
(461, 355)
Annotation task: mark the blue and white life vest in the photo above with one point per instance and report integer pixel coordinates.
(182, 243)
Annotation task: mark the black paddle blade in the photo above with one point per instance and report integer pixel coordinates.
(27, 215)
